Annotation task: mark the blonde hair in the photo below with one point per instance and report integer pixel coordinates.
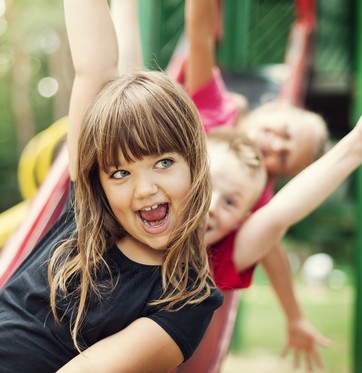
(141, 114)
(245, 151)
(322, 134)
(295, 114)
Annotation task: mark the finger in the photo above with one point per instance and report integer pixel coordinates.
(296, 359)
(285, 351)
(317, 358)
(308, 362)
(323, 341)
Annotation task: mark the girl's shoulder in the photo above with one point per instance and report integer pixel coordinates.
(188, 324)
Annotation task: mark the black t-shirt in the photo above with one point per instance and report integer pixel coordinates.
(31, 340)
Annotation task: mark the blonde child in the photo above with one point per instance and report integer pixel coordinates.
(238, 238)
(289, 138)
(121, 282)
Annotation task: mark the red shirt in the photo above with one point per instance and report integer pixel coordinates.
(225, 274)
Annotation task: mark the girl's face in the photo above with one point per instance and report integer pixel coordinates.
(286, 142)
(234, 192)
(146, 196)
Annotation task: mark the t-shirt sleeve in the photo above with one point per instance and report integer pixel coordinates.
(225, 273)
(188, 325)
(216, 106)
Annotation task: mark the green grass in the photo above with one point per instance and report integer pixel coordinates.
(260, 329)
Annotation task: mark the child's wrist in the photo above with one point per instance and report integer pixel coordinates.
(294, 319)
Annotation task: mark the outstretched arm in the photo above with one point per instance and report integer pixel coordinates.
(303, 338)
(93, 47)
(299, 197)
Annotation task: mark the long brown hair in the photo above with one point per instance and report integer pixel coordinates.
(141, 114)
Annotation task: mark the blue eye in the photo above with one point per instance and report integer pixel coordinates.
(164, 163)
(119, 174)
(229, 202)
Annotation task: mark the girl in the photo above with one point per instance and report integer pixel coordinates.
(121, 282)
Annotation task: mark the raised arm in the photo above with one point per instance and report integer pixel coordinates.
(297, 199)
(126, 22)
(94, 51)
(200, 20)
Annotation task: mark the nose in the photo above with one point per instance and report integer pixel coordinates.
(144, 187)
(278, 144)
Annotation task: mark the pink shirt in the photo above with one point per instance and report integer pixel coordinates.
(215, 104)
(265, 197)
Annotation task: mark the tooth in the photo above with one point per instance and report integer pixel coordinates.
(150, 208)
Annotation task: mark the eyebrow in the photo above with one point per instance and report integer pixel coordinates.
(238, 192)
(237, 195)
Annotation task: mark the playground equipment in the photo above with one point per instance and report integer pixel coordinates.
(44, 180)
(34, 164)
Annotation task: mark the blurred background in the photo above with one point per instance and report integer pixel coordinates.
(35, 83)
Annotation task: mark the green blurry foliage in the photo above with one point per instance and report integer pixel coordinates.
(32, 45)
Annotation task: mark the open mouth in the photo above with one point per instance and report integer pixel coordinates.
(155, 215)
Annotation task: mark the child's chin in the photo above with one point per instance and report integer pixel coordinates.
(210, 239)
(160, 245)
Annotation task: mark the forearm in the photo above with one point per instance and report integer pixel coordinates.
(277, 268)
(302, 337)
(200, 19)
(312, 186)
(94, 52)
(91, 36)
(143, 346)
(126, 23)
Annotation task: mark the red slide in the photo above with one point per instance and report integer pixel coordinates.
(44, 211)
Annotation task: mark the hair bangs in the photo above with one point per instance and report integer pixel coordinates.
(143, 125)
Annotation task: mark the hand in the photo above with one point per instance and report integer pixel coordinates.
(303, 338)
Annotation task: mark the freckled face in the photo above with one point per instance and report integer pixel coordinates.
(146, 196)
(234, 191)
